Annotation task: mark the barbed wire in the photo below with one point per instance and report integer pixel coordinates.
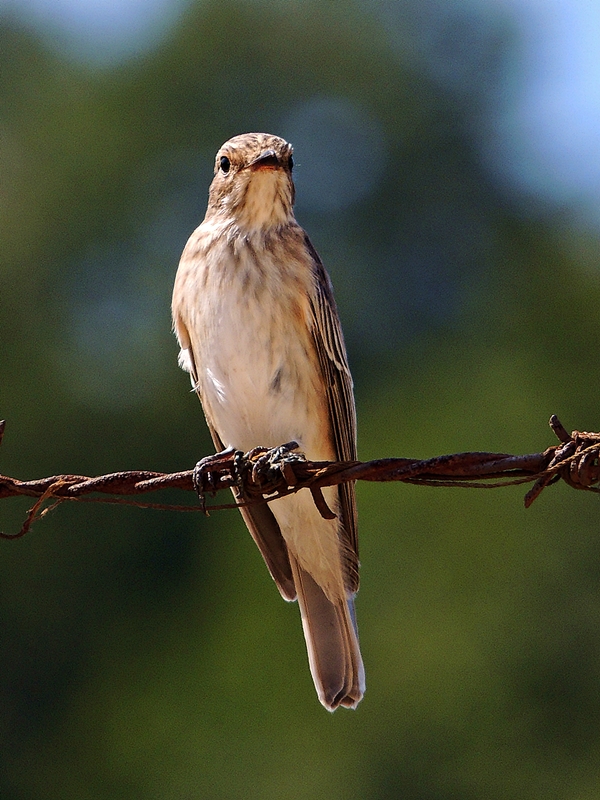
(263, 475)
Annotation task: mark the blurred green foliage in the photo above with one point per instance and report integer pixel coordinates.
(147, 654)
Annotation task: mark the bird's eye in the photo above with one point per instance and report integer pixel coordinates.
(291, 163)
(225, 164)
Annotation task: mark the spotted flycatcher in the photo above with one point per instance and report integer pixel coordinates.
(254, 313)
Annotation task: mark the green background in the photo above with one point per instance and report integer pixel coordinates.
(147, 654)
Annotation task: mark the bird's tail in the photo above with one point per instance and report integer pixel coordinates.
(332, 643)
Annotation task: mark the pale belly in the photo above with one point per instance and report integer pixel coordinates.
(260, 380)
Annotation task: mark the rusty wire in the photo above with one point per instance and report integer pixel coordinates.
(261, 476)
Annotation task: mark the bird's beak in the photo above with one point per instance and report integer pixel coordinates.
(266, 160)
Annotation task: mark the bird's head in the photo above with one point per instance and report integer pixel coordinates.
(253, 183)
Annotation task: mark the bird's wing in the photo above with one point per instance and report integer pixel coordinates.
(265, 531)
(329, 342)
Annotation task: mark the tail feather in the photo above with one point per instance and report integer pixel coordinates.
(332, 643)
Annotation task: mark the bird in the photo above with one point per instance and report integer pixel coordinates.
(259, 332)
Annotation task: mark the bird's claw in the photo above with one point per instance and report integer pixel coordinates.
(260, 471)
(211, 470)
(270, 464)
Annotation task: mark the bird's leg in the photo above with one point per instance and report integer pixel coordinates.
(269, 465)
(260, 470)
(209, 471)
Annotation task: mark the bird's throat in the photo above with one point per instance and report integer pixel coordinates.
(266, 203)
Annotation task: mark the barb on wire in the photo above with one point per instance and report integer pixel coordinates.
(264, 475)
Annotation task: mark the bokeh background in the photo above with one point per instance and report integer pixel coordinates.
(448, 171)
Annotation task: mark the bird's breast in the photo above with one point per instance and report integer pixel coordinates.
(258, 368)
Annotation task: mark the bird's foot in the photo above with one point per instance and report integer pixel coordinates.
(270, 464)
(210, 471)
(259, 472)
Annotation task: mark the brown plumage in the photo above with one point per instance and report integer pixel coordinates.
(254, 313)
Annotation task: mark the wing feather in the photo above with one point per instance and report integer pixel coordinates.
(266, 532)
(329, 343)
